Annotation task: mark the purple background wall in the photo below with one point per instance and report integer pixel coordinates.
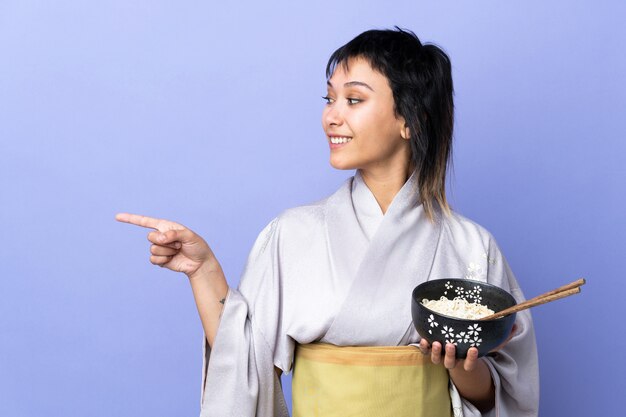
(209, 114)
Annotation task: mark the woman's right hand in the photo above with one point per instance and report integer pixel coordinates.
(173, 245)
(177, 248)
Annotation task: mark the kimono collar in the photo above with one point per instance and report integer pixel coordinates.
(377, 274)
(368, 211)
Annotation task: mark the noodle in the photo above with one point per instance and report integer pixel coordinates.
(459, 307)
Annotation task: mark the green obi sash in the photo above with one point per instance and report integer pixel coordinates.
(385, 381)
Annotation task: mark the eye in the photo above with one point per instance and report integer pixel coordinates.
(329, 100)
(353, 101)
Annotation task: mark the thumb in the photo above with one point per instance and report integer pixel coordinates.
(171, 236)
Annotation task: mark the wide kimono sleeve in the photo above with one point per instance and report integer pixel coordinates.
(514, 368)
(239, 377)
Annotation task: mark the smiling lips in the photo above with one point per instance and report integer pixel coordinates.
(338, 141)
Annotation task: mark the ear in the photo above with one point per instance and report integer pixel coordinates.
(405, 132)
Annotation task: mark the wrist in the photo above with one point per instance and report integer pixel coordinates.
(209, 288)
(475, 385)
(207, 270)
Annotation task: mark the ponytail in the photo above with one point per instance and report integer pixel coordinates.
(431, 140)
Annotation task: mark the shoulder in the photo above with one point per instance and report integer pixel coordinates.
(301, 222)
(313, 214)
(461, 230)
(304, 214)
(470, 244)
(309, 220)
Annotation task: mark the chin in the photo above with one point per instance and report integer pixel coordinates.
(342, 165)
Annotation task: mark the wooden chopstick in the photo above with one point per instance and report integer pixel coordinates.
(569, 286)
(561, 292)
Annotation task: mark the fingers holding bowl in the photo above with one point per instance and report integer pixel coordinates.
(470, 361)
(424, 346)
(447, 356)
(435, 353)
(450, 360)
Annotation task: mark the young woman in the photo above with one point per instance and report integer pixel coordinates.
(326, 289)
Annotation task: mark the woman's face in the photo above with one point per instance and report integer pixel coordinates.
(359, 121)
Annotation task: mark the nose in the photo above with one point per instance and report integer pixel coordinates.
(332, 115)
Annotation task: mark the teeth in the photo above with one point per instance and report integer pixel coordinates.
(337, 140)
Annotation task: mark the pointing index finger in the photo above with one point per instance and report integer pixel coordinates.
(139, 220)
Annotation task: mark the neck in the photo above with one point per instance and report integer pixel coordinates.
(385, 185)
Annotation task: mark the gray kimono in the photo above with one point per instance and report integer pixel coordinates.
(340, 272)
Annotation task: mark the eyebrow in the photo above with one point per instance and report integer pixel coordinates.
(352, 84)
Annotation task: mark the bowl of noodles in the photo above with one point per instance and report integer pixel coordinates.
(450, 311)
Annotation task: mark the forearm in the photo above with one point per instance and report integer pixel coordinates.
(476, 385)
(209, 288)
